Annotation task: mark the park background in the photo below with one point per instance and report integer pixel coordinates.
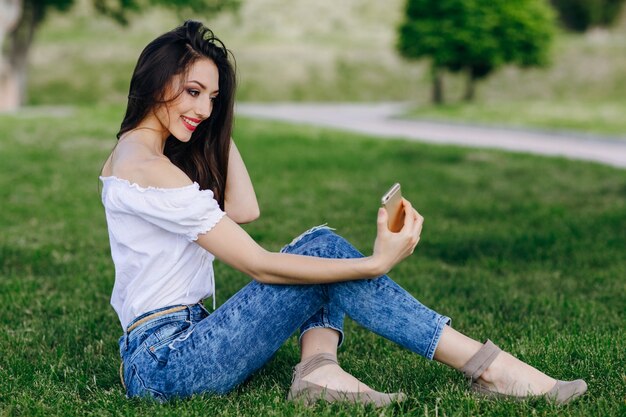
(526, 250)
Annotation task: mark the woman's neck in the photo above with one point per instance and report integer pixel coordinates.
(151, 133)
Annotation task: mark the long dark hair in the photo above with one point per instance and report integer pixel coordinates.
(205, 157)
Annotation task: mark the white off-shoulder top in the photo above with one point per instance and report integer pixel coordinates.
(152, 233)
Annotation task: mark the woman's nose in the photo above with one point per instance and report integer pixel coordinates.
(204, 109)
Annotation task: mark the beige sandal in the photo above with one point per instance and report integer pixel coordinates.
(310, 393)
(562, 392)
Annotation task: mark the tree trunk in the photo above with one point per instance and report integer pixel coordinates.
(470, 86)
(10, 14)
(14, 59)
(437, 92)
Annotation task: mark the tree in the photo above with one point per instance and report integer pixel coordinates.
(580, 15)
(19, 20)
(475, 37)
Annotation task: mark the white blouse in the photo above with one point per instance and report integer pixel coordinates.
(152, 233)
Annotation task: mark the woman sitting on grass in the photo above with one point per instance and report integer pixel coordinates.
(175, 189)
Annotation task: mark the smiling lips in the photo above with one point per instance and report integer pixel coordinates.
(190, 123)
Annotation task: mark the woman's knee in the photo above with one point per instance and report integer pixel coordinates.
(307, 240)
(328, 244)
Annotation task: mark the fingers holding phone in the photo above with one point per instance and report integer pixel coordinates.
(397, 208)
(417, 226)
(413, 223)
(403, 221)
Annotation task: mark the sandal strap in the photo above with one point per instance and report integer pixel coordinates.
(478, 363)
(316, 361)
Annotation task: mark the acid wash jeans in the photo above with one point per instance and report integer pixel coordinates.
(193, 351)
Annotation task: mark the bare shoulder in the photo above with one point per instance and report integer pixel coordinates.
(161, 172)
(137, 163)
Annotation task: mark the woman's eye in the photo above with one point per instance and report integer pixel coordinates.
(193, 93)
(213, 99)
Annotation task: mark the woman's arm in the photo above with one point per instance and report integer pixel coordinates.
(231, 244)
(240, 200)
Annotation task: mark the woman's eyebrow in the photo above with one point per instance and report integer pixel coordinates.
(199, 83)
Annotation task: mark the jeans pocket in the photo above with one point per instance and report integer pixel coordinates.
(158, 345)
(136, 387)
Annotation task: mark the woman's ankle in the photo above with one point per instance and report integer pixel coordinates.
(318, 340)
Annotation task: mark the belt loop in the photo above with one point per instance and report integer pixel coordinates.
(189, 312)
(203, 309)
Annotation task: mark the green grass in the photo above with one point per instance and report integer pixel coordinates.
(527, 251)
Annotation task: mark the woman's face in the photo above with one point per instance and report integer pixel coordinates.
(200, 88)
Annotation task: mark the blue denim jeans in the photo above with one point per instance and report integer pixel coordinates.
(193, 351)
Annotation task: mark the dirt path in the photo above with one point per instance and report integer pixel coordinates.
(378, 120)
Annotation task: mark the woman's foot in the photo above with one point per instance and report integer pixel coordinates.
(320, 377)
(332, 376)
(498, 374)
(509, 375)
(495, 373)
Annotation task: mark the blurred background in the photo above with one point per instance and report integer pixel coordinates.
(82, 52)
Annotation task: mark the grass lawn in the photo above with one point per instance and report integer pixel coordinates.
(527, 251)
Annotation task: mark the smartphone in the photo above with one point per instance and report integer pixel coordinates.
(392, 202)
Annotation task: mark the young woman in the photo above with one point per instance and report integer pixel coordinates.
(175, 189)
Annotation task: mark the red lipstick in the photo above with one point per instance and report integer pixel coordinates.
(190, 123)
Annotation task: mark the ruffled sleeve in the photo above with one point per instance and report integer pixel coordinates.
(186, 211)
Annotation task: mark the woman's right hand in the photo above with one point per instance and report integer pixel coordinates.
(391, 248)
